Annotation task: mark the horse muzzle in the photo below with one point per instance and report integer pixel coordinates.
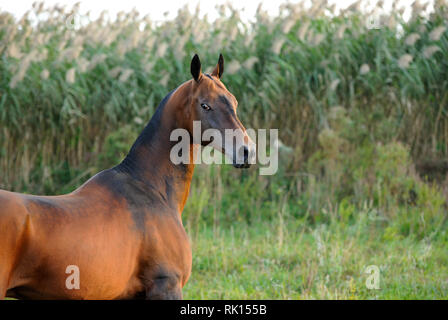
(245, 156)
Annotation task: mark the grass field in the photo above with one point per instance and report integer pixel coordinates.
(362, 115)
(289, 251)
(293, 260)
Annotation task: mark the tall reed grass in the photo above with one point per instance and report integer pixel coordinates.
(64, 88)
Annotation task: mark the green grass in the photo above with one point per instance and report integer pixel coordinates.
(293, 260)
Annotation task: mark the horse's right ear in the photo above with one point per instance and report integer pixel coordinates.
(195, 67)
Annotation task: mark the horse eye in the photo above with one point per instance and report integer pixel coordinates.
(205, 106)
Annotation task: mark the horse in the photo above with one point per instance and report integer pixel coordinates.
(122, 229)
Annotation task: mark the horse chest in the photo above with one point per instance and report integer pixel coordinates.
(166, 249)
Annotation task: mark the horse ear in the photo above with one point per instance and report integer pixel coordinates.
(195, 68)
(219, 69)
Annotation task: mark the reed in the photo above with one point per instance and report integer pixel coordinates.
(65, 87)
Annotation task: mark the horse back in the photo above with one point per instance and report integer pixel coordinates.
(43, 236)
(114, 240)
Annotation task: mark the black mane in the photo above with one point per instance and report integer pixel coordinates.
(147, 134)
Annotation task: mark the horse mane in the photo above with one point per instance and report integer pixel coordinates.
(148, 133)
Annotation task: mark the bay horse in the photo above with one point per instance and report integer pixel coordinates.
(122, 228)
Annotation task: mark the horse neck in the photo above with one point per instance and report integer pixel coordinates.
(149, 158)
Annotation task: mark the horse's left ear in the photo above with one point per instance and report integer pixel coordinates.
(219, 69)
(195, 68)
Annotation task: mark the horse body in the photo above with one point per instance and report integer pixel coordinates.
(58, 232)
(122, 229)
(109, 211)
(132, 208)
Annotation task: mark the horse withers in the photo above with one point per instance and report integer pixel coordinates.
(122, 229)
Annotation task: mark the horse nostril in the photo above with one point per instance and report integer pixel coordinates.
(246, 154)
(241, 158)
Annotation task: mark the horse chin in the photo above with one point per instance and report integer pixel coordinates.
(241, 165)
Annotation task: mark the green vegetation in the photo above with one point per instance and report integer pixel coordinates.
(361, 113)
(292, 259)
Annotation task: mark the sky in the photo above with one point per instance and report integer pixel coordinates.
(163, 9)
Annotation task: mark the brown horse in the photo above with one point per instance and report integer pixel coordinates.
(122, 229)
